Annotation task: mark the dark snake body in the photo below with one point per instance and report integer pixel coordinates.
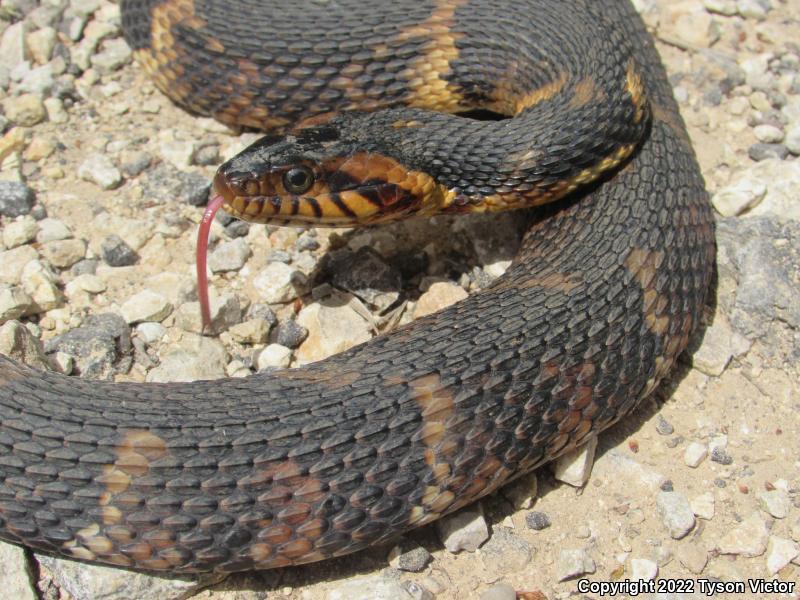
(297, 466)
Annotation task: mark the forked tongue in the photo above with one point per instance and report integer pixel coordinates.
(202, 254)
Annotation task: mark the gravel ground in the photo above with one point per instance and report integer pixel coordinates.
(101, 180)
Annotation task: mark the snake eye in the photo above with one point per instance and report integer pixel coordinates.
(298, 179)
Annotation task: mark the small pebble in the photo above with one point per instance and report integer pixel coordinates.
(572, 563)
(537, 520)
(775, 502)
(98, 169)
(16, 199)
(291, 334)
(412, 559)
(676, 513)
(465, 529)
(749, 538)
(761, 151)
(117, 253)
(643, 569)
(664, 427)
(274, 356)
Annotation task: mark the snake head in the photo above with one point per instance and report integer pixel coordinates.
(318, 176)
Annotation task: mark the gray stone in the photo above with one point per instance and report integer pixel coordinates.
(290, 333)
(98, 169)
(56, 113)
(409, 557)
(465, 529)
(229, 256)
(505, 552)
(537, 520)
(764, 255)
(90, 582)
(16, 575)
(165, 183)
(575, 467)
(98, 346)
(365, 274)
(225, 312)
(664, 427)
(761, 151)
(749, 538)
(117, 253)
(676, 513)
(573, 563)
(16, 199)
(692, 557)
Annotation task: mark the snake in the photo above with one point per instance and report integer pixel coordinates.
(376, 111)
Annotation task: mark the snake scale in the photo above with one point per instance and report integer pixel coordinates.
(301, 465)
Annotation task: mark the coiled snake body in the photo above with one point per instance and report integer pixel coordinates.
(300, 465)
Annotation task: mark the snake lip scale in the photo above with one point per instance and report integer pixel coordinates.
(302, 465)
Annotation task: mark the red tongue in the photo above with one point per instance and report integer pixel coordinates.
(202, 254)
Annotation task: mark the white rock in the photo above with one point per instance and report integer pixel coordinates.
(721, 7)
(145, 306)
(42, 286)
(752, 9)
(695, 454)
(178, 153)
(643, 569)
(572, 563)
(768, 134)
(17, 233)
(575, 467)
(780, 552)
(775, 502)
(278, 283)
(703, 506)
(676, 513)
(252, 331)
(464, 530)
(14, 303)
(16, 574)
(749, 538)
(229, 256)
(739, 197)
(195, 357)
(792, 140)
(86, 283)
(720, 344)
(98, 169)
(274, 355)
(151, 332)
(51, 230)
(332, 328)
(438, 296)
